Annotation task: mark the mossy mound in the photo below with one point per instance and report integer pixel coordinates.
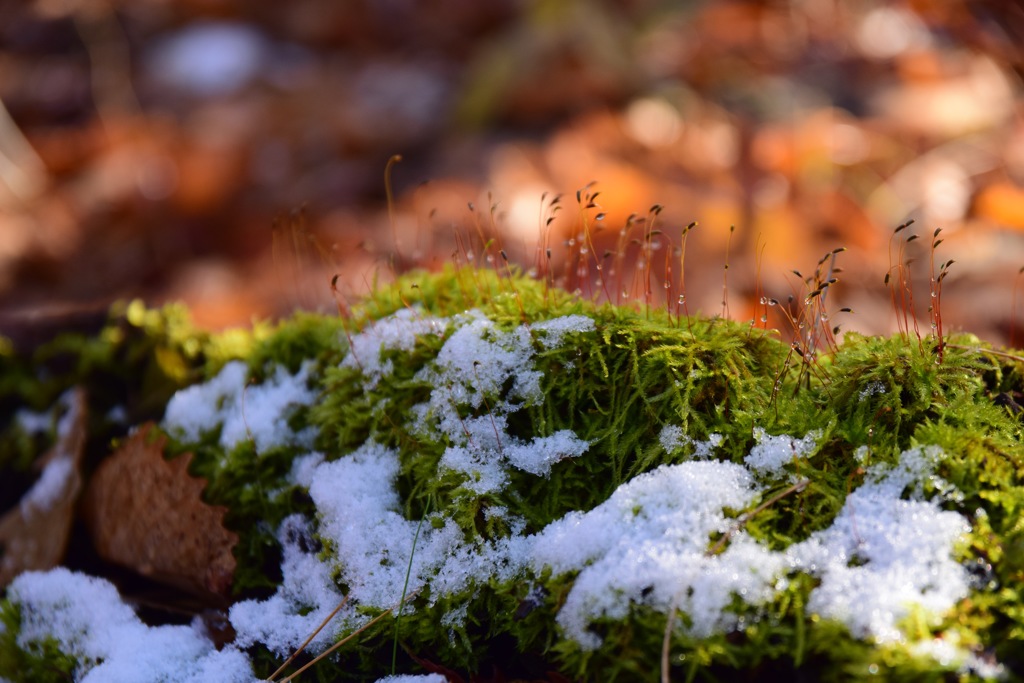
(553, 485)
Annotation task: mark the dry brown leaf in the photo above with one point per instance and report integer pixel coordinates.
(34, 535)
(146, 513)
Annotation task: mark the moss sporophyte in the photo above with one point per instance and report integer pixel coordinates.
(538, 483)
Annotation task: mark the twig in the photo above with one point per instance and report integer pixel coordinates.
(349, 637)
(313, 635)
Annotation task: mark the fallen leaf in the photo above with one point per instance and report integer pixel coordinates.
(34, 535)
(146, 513)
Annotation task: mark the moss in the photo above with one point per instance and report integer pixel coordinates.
(130, 368)
(38, 662)
(616, 386)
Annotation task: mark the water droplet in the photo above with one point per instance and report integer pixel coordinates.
(682, 298)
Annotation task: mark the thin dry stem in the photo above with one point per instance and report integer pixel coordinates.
(323, 624)
(332, 648)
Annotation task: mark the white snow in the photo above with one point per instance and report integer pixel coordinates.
(672, 438)
(884, 554)
(90, 621)
(556, 328)
(771, 453)
(648, 544)
(40, 423)
(33, 422)
(407, 678)
(56, 480)
(306, 596)
(471, 369)
(256, 411)
(398, 331)
(53, 485)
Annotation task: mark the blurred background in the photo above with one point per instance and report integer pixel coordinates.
(233, 154)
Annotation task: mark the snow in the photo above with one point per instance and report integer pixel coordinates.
(555, 329)
(648, 543)
(33, 422)
(771, 453)
(672, 438)
(56, 480)
(50, 488)
(884, 554)
(425, 678)
(306, 596)
(40, 422)
(398, 331)
(256, 411)
(90, 621)
(472, 367)
(652, 543)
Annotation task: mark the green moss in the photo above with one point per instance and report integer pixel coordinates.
(38, 662)
(616, 387)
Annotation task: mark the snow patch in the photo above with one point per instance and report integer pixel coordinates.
(648, 544)
(672, 438)
(398, 331)
(771, 453)
(88, 619)
(556, 328)
(259, 411)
